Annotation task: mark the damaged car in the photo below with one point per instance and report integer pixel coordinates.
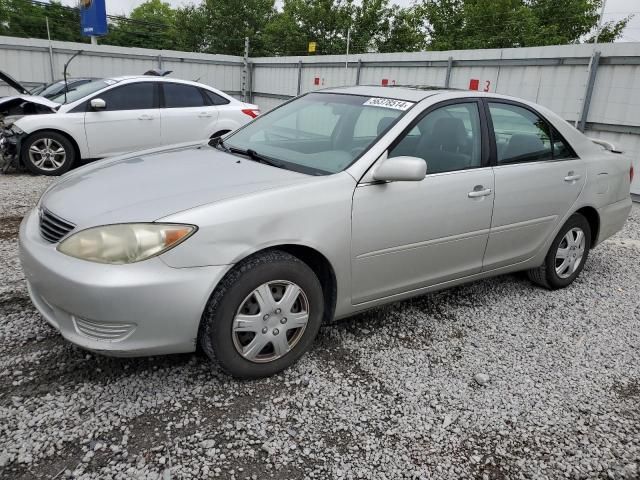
(112, 116)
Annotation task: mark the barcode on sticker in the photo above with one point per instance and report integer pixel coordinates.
(388, 103)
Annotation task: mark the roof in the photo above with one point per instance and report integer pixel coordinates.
(411, 94)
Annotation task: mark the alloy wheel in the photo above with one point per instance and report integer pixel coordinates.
(47, 154)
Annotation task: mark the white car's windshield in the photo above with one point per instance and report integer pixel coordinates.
(319, 133)
(83, 90)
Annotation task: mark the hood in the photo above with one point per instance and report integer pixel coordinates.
(149, 186)
(34, 99)
(12, 82)
(13, 108)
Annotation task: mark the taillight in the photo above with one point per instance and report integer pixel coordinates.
(631, 174)
(252, 112)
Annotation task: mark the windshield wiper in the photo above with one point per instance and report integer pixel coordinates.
(255, 156)
(218, 143)
(249, 152)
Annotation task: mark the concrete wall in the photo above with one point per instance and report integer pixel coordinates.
(28, 61)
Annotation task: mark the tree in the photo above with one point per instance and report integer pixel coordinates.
(463, 24)
(151, 25)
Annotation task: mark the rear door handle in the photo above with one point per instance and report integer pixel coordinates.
(479, 192)
(145, 116)
(572, 177)
(205, 115)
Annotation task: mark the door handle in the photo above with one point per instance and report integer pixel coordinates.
(205, 115)
(572, 177)
(145, 116)
(479, 192)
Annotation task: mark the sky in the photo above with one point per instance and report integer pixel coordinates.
(615, 10)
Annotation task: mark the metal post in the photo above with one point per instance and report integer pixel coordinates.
(447, 79)
(50, 51)
(251, 68)
(299, 89)
(346, 58)
(358, 71)
(160, 62)
(245, 69)
(593, 70)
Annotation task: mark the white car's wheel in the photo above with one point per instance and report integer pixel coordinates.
(48, 153)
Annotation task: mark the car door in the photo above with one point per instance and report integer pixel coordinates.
(130, 120)
(408, 235)
(538, 177)
(187, 114)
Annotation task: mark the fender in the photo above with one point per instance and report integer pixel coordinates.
(69, 124)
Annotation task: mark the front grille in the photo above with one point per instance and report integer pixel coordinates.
(52, 227)
(109, 332)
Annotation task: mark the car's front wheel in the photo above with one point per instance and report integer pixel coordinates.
(263, 316)
(566, 256)
(48, 153)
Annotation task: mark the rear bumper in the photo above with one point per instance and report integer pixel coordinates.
(145, 308)
(613, 218)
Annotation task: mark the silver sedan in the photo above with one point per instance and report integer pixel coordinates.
(336, 202)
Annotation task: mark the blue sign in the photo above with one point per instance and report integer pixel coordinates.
(93, 17)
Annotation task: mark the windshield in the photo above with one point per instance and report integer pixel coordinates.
(81, 91)
(319, 133)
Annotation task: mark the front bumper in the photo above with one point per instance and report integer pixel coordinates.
(145, 308)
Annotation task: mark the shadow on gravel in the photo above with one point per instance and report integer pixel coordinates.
(9, 227)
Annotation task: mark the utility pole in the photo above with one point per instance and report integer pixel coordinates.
(50, 50)
(245, 69)
(346, 58)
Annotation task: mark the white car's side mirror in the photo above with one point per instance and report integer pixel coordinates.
(98, 104)
(401, 169)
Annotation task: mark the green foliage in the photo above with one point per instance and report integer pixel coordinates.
(220, 26)
(462, 24)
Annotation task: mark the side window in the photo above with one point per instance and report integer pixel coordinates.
(134, 96)
(177, 95)
(521, 135)
(560, 148)
(448, 139)
(213, 98)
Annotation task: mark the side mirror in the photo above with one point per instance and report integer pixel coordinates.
(98, 104)
(401, 169)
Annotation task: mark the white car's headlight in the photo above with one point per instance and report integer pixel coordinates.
(126, 242)
(17, 130)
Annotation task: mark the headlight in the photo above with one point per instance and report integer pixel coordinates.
(126, 242)
(16, 130)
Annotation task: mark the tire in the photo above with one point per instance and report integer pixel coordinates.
(265, 347)
(557, 272)
(48, 153)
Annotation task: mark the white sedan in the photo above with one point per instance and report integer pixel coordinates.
(112, 116)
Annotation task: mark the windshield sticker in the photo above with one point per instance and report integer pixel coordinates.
(388, 103)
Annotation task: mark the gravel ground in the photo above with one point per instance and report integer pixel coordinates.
(494, 380)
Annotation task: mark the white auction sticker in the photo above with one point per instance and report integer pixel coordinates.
(388, 103)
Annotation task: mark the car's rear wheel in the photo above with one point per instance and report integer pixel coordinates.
(566, 256)
(48, 153)
(263, 316)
